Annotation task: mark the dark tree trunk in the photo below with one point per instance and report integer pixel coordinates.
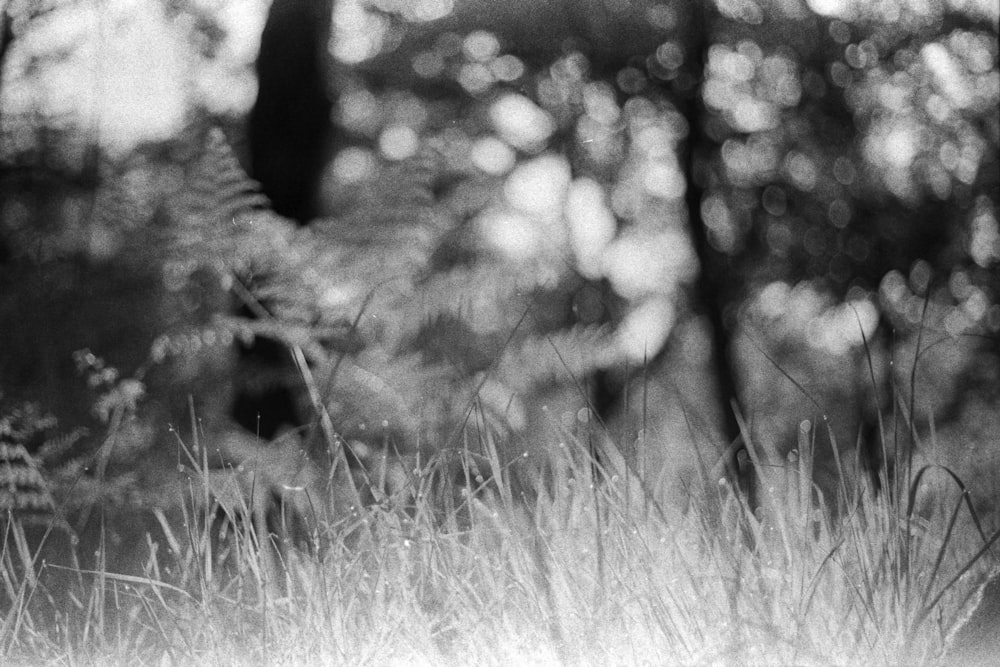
(290, 128)
(710, 288)
(6, 36)
(714, 281)
(290, 134)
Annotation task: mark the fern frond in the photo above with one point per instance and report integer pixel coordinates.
(115, 218)
(218, 188)
(566, 356)
(59, 447)
(23, 492)
(489, 295)
(374, 394)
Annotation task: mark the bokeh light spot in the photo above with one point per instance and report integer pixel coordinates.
(538, 187)
(507, 68)
(481, 46)
(592, 225)
(514, 235)
(398, 142)
(353, 165)
(646, 329)
(492, 156)
(521, 122)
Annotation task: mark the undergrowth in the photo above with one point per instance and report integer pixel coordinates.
(587, 567)
(438, 547)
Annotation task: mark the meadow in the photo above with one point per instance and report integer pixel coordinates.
(340, 333)
(582, 565)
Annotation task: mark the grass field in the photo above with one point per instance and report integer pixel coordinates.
(587, 568)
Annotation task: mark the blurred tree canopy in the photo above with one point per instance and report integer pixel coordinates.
(740, 184)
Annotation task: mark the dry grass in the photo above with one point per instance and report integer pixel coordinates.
(591, 569)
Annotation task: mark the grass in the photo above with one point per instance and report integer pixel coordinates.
(586, 568)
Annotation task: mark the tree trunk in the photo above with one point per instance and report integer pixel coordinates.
(710, 287)
(290, 127)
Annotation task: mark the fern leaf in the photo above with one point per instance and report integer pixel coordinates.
(567, 356)
(219, 189)
(23, 492)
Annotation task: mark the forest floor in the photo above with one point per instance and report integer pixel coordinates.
(590, 570)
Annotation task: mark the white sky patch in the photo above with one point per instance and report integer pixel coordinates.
(140, 94)
(592, 225)
(645, 330)
(521, 123)
(118, 67)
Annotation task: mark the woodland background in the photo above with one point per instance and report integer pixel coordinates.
(513, 217)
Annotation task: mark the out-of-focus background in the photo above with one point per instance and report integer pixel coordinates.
(658, 215)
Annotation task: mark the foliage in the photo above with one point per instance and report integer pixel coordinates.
(484, 258)
(838, 171)
(844, 159)
(403, 333)
(22, 490)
